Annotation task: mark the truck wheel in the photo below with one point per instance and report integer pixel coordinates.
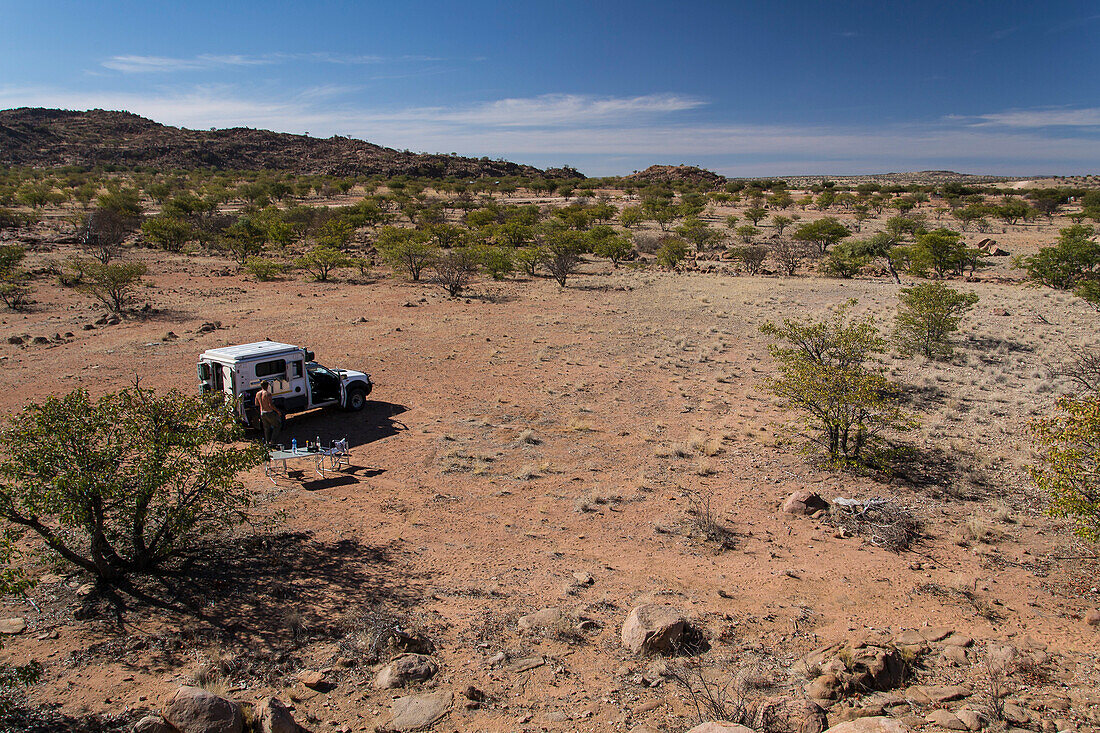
(357, 399)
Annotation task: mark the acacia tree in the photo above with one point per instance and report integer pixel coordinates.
(927, 316)
(124, 483)
(454, 269)
(406, 249)
(824, 373)
(1070, 472)
(563, 252)
(822, 233)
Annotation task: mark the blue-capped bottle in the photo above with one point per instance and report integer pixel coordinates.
(294, 445)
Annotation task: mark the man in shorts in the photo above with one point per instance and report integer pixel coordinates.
(271, 417)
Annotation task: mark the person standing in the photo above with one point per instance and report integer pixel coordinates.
(270, 415)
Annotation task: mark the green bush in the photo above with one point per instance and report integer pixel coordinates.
(125, 482)
(264, 270)
(671, 252)
(825, 373)
(927, 316)
(1070, 447)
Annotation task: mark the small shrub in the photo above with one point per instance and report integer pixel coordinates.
(927, 316)
(672, 251)
(263, 269)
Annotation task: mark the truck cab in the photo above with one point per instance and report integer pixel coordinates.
(298, 383)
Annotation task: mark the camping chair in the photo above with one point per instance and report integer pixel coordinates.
(338, 455)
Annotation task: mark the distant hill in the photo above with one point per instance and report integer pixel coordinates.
(677, 174)
(52, 137)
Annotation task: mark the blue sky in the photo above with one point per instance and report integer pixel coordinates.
(742, 88)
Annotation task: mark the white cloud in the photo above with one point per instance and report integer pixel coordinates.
(1049, 117)
(134, 64)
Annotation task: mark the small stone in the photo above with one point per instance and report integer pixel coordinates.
(945, 719)
(315, 680)
(804, 502)
(969, 718)
(87, 327)
(15, 340)
(877, 724)
(527, 664)
(12, 626)
(546, 618)
(153, 724)
(720, 726)
(275, 717)
(584, 578)
(194, 710)
(416, 712)
(404, 670)
(652, 628)
(1092, 618)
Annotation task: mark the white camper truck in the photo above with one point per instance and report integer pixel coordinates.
(297, 382)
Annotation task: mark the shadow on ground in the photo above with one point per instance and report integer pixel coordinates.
(376, 421)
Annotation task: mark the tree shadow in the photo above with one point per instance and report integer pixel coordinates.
(267, 590)
(926, 468)
(995, 343)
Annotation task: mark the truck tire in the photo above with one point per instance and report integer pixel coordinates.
(357, 399)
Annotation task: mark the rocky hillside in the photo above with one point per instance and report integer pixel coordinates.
(52, 137)
(678, 174)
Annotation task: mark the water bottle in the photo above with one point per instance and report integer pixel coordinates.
(294, 445)
(318, 444)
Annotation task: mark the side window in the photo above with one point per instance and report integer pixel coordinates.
(295, 369)
(271, 368)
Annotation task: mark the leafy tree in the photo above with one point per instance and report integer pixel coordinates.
(615, 248)
(940, 250)
(125, 202)
(927, 316)
(731, 221)
(454, 269)
(747, 233)
(113, 284)
(845, 260)
(1075, 258)
(530, 259)
(335, 233)
(496, 260)
(14, 280)
(167, 232)
(698, 233)
(824, 373)
(755, 214)
(124, 483)
(751, 256)
(671, 252)
(631, 216)
(563, 251)
(1070, 470)
(1013, 210)
(781, 223)
(822, 233)
(245, 238)
(406, 250)
(322, 260)
(514, 233)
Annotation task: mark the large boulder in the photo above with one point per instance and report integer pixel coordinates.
(877, 724)
(653, 629)
(404, 670)
(720, 726)
(274, 717)
(194, 710)
(417, 712)
(804, 501)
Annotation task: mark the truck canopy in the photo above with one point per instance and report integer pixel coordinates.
(248, 352)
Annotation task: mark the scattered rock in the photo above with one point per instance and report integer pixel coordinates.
(791, 715)
(546, 618)
(720, 726)
(804, 502)
(315, 680)
(969, 718)
(11, 626)
(112, 320)
(1016, 715)
(40, 340)
(415, 712)
(170, 336)
(194, 710)
(87, 327)
(207, 328)
(653, 629)
(404, 670)
(945, 719)
(959, 640)
(274, 717)
(877, 724)
(1092, 618)
(825, 687)
(583, 578)
(153, 724)
(15, 340)
(937, 694)
(527, 664)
